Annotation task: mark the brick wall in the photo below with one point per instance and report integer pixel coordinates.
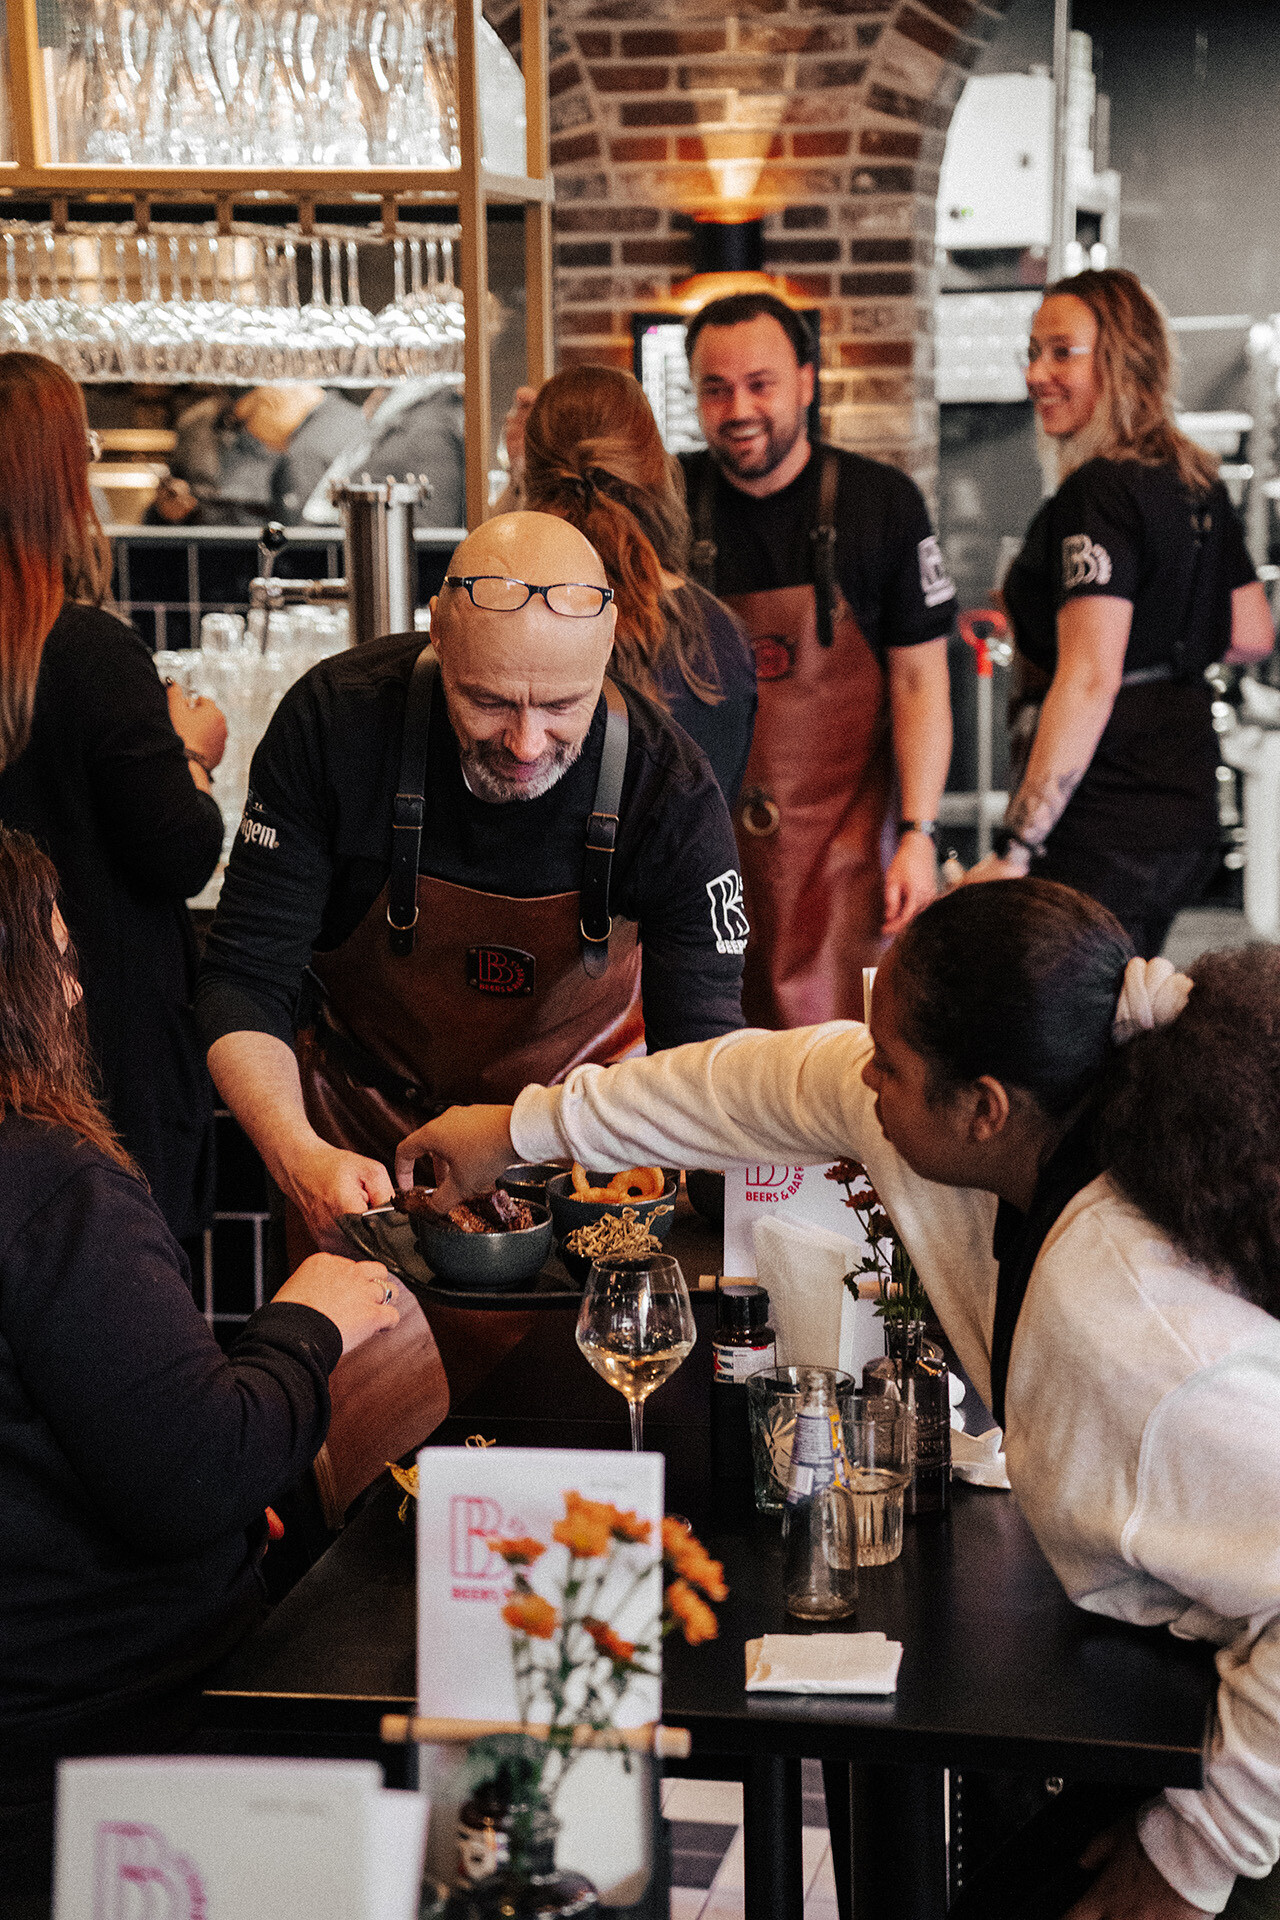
(827, 117)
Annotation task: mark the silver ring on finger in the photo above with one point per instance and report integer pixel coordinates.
(388, 1294)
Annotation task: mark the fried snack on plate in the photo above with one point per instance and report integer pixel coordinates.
(637, 1183)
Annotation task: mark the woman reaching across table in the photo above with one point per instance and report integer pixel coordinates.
(1132, 580)
(136, 1458)
(1115, 1126)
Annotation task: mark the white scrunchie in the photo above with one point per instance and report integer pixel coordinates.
(1153, 994)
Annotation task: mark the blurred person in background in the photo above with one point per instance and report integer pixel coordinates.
(1131, 581)
(136, 1458)
(591, 453)
(113, 777)
(415, 428)
(219, 475)
(830, 562)
(306, 429)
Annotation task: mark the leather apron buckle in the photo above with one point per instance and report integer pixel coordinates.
(761, 814)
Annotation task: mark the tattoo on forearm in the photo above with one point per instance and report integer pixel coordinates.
(1038, 805)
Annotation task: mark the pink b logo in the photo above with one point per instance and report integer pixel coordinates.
(137, 1876)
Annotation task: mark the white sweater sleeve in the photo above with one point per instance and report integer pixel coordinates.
(796, 1098)
(1207, 1521)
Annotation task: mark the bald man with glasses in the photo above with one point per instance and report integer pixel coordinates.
(463, 868)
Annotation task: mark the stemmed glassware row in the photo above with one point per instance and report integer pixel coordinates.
(184, 304)
(275, 83)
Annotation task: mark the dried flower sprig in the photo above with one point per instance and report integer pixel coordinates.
(902, 1298)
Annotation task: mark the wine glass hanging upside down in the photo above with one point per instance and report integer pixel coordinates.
(635, 1327)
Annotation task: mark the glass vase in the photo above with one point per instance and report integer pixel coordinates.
(529, 1886)
(915, 1370)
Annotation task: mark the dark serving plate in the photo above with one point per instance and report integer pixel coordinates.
(385, 1235)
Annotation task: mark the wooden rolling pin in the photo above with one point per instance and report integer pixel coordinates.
(666, 1743)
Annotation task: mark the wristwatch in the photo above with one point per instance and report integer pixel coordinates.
(1004, 838)
(927, 827)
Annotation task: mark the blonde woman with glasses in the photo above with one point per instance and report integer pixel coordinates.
(1131, 581)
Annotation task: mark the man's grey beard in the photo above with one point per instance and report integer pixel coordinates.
(488, 784)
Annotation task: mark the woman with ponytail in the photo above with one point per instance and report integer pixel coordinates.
(1080, 1150)
(592, 455)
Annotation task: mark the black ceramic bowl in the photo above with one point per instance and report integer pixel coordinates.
(484, 1262)
(569, 1213)
(706, 1195)
(529, 1183)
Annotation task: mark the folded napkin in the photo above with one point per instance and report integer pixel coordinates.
(823, 1663)
(803, 1268)
(979, 1458)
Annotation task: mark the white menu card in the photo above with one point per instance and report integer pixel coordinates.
(469, 1495)
(235, 1839)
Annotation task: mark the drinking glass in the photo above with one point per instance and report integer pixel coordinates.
(879, 1444)
(635, 1327)
(774, 1398)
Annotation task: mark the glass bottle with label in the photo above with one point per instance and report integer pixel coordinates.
(744, 1344)
(819, 1538)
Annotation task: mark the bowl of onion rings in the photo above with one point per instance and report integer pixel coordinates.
(577, 1199)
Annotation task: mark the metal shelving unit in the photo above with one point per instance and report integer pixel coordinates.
(471, 187)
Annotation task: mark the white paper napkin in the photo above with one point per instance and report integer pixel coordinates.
(979, 1458)
(803, 1268)
(823, 1663)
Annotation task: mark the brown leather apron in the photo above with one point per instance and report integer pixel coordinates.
(818, 789)
(443, 995)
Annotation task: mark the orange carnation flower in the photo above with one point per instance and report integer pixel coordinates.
(518, 1553)
(587, 1527)
(687, 1557)
(697, 1622)
(530, 1613)
(629, 1526)
(610, 1642)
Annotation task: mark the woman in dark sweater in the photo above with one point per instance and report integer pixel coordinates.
(136, 1459)
(112, 778)
(592, 455)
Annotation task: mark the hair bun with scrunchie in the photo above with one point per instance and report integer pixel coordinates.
(1153, 994)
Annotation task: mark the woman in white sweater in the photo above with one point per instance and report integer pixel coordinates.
(1122, 1330)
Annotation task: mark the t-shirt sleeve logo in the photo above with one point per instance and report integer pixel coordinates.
(254, 829)
(1084, 563)
(728, 913)
(935, 582)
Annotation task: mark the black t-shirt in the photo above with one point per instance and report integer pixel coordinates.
(888, 561)
(1117, 528)
(314, 849)
(103, 785)
(136, 1458)
(722, 728)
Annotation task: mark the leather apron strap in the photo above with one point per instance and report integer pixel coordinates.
(409, 815)
(704, 552)
(1071, 1167)
(409, 811)
(823, 539)
(596, 923)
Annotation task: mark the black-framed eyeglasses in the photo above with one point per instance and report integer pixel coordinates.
(492, 593)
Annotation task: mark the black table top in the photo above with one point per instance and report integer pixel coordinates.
(999, 1670)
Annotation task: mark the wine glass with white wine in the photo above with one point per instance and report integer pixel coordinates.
(635, 1327)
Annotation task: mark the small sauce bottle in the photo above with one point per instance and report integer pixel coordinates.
(744, 1343)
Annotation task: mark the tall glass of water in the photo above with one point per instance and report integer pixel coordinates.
(635, 1327)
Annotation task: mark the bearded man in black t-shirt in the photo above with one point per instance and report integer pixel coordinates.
(830, 562)
(482, 861)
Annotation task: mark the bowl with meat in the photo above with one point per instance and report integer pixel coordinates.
(488, 1243)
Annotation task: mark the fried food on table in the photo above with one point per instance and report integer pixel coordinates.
(637, 1183)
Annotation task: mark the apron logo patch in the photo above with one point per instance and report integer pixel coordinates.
(728, 914)
(775, 656)
(935, 582)
(1084, 563)
(504, 970)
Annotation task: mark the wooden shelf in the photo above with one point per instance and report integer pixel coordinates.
(471, 188)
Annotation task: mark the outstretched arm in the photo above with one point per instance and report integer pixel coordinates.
(920, 713)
